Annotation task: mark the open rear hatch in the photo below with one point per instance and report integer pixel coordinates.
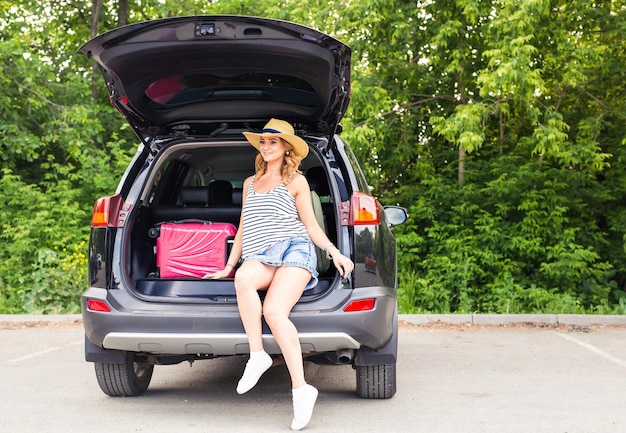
(187, 73)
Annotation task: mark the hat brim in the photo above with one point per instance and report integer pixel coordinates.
(300, 148)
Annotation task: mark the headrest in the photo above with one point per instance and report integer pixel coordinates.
(220, 193)
(194, 195)
(237, 196)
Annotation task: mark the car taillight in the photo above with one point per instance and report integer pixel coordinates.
(107, 212)
(98, 306)
(363, 210)
(360, 305)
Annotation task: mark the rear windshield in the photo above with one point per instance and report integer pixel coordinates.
(189, 89)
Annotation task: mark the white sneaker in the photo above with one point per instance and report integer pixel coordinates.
(303, 402)
(255, 367)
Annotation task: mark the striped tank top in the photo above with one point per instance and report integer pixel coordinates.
(269, 218)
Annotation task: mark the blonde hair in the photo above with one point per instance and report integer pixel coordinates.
(291, 162)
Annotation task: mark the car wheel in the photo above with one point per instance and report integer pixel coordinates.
(376, 381)
(124, 380)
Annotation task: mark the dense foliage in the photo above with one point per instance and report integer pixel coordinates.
(499, 124)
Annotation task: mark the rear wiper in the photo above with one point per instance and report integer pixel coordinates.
(223, 127)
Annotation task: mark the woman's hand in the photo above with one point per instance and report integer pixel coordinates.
(343, 264)
(224, 273)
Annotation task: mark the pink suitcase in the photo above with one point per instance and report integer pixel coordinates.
(193, 249)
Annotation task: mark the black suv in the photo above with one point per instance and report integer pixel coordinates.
(189, 87)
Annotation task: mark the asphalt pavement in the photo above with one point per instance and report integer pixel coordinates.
(528, 374)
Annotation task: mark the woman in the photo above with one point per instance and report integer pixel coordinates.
(275, 240)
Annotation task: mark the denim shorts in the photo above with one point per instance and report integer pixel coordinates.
(296, 251)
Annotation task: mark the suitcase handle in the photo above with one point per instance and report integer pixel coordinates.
(192, 220)
(153, 233)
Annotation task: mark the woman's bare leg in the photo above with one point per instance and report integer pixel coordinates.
(286, 288)
(251, 277)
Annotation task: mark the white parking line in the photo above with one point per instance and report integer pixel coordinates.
(593, 349)
(40, 353)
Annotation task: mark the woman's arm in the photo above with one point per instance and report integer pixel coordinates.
(300, 189)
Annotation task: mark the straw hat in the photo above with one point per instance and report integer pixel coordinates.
(282, 129)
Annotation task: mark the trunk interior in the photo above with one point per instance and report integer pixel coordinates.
(217, 172)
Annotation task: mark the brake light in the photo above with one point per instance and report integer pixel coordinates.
(364, 209)
(106, 212)
(98, 306)
(360, 305)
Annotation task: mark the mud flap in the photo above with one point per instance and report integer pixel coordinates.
(388, 354)
(94, 353)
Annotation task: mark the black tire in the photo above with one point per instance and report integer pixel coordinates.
(376, 381)
(124, 380)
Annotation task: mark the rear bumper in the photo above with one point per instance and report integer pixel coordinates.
(219, 344)
(216, 329)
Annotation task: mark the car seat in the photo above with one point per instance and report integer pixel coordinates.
(316, 176)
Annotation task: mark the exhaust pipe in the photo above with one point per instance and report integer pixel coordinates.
(344, 356)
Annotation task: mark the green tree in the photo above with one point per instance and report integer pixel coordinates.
(508, 101)
(498, 124)
(60, 150)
